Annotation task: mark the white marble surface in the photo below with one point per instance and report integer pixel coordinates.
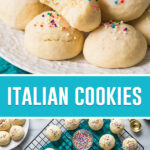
(37, 125)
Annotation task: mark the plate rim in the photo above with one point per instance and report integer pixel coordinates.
(27, 123)
(15, 53)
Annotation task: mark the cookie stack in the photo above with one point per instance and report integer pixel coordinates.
(11, 129)
(119, 30)
(17, 13)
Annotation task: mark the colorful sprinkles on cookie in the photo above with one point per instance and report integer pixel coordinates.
(14, 131)
(107, 140)
(96, 123)
(95, 5)
(130, 145)
(82, 140)
(55, 133)
(114, 25)
(51, 20)
(73, 122)
(119, 2)
(116, 124)
(3, 136)
(3, 121)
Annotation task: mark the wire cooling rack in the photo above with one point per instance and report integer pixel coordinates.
(41, 140)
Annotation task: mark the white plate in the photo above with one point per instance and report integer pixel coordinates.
(14, 144)
(12, 49)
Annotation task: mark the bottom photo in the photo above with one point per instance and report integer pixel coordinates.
(74, 134)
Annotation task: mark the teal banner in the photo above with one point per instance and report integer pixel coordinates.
(74, 96)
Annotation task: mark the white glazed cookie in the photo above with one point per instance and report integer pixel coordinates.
(116, 126)
(107, 142)
(4, 138)
(49, 149)
(130, 144)
(142, 24)
(72, 124)
(53, 133)
(49, 36)
(19, 122)
(125, 10)
(16, 133)
(17, 13)
(96, 124)
(115, 45)
(83, 15)
(5, 124)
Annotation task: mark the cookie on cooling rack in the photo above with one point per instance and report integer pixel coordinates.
(49, 149)
(107, 142)
(83, 15)
(96, 124)
(130, 144)
(5, 124)
(116, 126)
(125, 10)
(16, 133)
(127, 47)
(53, 133)
(142, 24)
(49, 36)
(17, 13)
(4, 138)
(19, 122)
(72, 124)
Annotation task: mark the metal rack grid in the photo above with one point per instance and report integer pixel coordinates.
(41, 140)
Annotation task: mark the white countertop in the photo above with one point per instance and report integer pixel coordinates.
(36, 125)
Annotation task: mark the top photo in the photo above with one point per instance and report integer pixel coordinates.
(75, 37)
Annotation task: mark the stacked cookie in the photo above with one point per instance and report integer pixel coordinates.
(17, 13)
(119, 29)
(11, 129)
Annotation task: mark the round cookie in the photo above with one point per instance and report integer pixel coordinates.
(49, 36)
(107, 142)
(142, 24)
(19, 122)
(4, 138)
(116, 126)
(5, 124)
(53, 133)
(49, 149)
(17, 13)
(115, 45)
(72, 124)
(130, 144)
(83, 15)
(125, 10)
(96, 124)
(16, 133)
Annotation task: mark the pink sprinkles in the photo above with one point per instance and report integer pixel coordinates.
(114, 25)
(95, 5)
(52, 21)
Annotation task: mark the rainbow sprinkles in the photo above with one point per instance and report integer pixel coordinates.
(119, 2)
(114, 25)
(51, 20)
